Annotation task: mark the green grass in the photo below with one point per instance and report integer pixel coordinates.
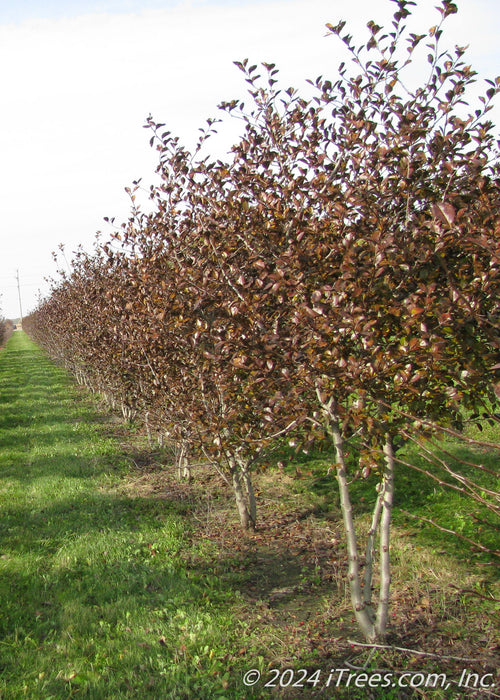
(95, 599)
(118, 582)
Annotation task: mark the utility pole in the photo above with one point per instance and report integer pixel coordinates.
(19, 295)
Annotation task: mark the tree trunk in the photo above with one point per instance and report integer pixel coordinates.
(370, 548)
(385, 531)
(244, 495)
(148, 430)
(362, 611)
(181, 458)
(252, 504)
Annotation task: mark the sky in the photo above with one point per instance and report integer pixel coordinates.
(80, 77)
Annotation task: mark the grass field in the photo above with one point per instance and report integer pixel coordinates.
(118, 582)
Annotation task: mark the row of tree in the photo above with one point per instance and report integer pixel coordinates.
(6, 328)
(337, 275)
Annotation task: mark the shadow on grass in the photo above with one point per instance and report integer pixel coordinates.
(44, 529)
(95, 582)
(88, 579)
(47, 425)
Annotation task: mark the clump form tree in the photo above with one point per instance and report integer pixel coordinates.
(339, 274)
(369, 222)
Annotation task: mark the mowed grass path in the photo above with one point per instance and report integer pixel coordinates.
(94, 599)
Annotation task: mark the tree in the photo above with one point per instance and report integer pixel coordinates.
(370, 225)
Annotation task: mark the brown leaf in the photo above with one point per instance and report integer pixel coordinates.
(445, 212)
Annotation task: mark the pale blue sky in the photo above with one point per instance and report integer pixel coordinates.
(12, 11)
(79, 78)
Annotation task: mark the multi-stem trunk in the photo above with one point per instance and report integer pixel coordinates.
(182, 462)
(373, 625)
(244, 493)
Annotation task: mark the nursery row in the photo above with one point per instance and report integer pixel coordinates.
(336, 276)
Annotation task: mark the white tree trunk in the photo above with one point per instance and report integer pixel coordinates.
(362, 611)
(385, 532)
(244, 494)
(370, 548)
(252, 504)
(372, 625)
(182, 462)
